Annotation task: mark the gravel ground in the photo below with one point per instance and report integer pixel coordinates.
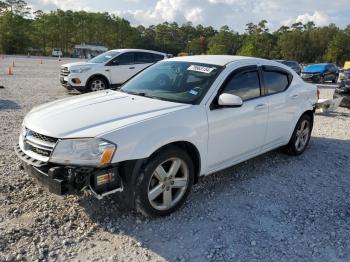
(271, 208)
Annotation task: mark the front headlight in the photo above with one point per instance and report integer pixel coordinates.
(80, 70)
(88, 151)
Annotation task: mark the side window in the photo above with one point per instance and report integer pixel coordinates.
(244, 84)
(125, 59)
(143, 58)
(157, 57)
(275, 81)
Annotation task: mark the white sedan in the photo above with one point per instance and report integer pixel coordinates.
(179, 119)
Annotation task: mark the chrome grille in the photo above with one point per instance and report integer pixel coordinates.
(42, 137)
(64, 71)
(39, 144)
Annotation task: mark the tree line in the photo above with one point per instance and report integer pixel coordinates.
(23, 30)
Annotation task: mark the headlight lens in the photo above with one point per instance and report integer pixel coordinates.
(80, 70)
(89, 151)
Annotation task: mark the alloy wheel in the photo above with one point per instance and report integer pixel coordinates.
(97, 85)
(302, 135)
(168, 184)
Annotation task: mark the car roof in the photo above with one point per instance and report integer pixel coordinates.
(321, 64)
(220, 60)
(137, 50)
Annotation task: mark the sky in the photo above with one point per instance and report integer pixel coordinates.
(234, 13)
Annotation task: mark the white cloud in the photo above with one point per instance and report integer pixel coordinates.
(234, 13)
(319, 18)
(195, 15)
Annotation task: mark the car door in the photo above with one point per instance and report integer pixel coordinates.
(121, 68)
(143, 60)
(283, 99)
(236, 134)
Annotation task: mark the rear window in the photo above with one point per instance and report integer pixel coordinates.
(275, 81)
(157, 57)
(143, 58)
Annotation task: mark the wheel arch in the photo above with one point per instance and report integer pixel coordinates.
(130, 170)
(309, 113)
(98, 75)
(192, 151)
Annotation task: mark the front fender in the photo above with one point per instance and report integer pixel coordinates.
(142, 139)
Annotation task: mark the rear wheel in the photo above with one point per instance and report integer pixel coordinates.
(164, 182)
(301, 136)
(97, 84)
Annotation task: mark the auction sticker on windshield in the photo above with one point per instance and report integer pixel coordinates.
(202, 69)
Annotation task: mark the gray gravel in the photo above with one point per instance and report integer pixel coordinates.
(271, 208)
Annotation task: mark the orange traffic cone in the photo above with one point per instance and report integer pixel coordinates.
(9, 71)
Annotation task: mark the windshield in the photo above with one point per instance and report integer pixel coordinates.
(315, 68)
(104, 57)
(181, 82)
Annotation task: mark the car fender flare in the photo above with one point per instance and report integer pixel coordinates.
(98, 75)
(152, 143)
(306, 108)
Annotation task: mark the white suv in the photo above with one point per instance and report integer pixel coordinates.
(108, 70)
(179, 119)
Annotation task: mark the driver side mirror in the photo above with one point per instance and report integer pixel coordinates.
(229, 100)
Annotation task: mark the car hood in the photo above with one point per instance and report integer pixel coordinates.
(80, 64)
(96, 113)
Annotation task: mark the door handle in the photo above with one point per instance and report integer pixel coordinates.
(107, 70)
(294, 96)
(261, 106)
(132, 67)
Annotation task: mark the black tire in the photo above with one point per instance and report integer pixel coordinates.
(321, 81)
(95, 80)
(335, 79)
(292, 148)
(142, 202)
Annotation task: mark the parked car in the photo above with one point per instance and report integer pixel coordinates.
(343, 90)
(56, 52)
(319, 73)
(292, 64)
(107, 70)
(179, 119)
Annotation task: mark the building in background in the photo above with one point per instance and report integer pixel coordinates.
(88, 51)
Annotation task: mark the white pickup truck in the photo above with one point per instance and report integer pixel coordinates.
(174, 122)
(107, 70)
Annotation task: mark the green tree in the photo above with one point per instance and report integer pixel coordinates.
(338, 50)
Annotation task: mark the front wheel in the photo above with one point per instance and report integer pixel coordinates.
(321, 80)
(97, 84)
(164, 182)
(335, 79)
(301, 136)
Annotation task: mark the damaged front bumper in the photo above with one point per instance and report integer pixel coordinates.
(61, 180)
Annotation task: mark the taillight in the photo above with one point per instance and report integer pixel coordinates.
(318, 93)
